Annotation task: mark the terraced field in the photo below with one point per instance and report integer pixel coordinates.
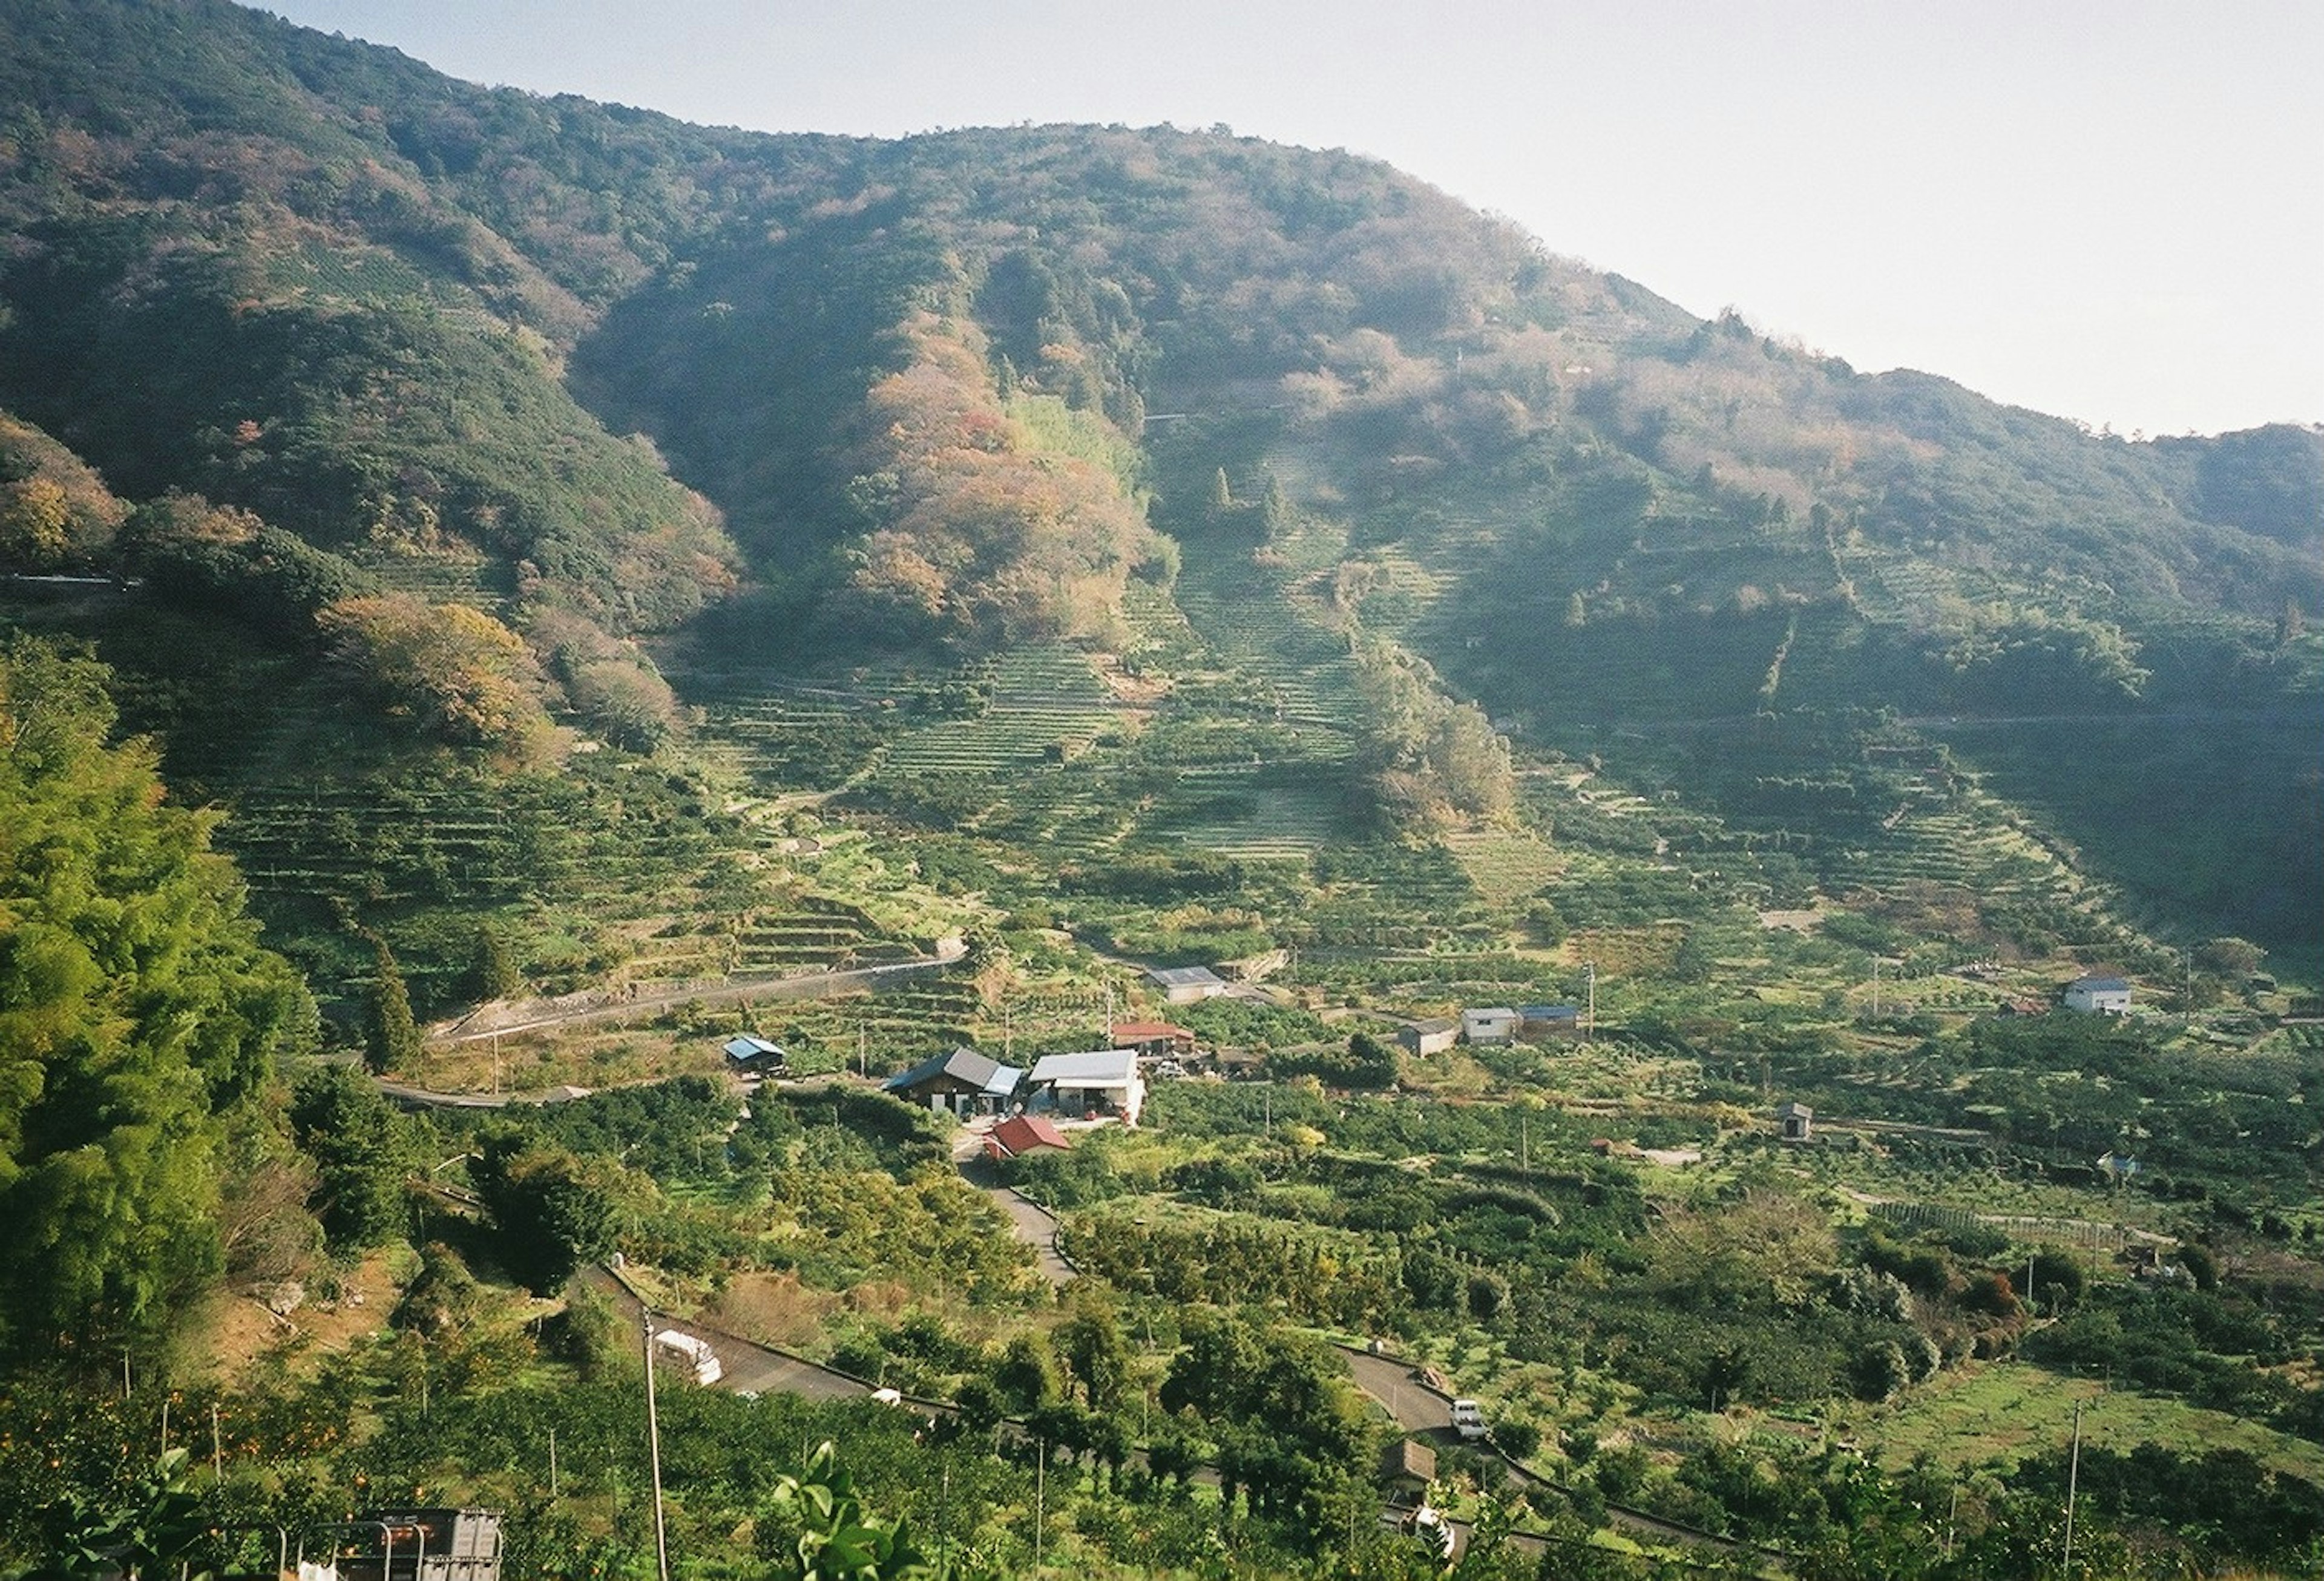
(437, 579)
(1048, 707)
(1506, 865)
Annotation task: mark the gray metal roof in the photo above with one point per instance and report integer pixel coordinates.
(1093, 1068)
(979, 1071)
(1184, 977)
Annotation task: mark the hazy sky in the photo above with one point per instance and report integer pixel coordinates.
(2111, 209)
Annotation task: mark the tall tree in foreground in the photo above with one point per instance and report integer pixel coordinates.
(136, 1010)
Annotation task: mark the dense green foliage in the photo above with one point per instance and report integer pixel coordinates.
(137, 1012)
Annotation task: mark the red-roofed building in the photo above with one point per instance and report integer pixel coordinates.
(1023, 1134)
(1153, 1037)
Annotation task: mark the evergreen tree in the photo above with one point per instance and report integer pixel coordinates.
(493, 974)
(391, 1034)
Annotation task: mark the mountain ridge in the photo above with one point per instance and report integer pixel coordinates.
(949, 394)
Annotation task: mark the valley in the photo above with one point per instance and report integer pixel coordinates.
(505, 596)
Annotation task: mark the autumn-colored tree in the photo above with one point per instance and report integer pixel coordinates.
(54, 511)
(981, 533)
(457, 673)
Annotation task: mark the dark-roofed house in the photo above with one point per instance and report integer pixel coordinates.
(2098, 996)
(962, 1082)
(1021, 1134)
(1536, 1021)
(1186, 985)
(1100, 1081)
(1407, 1467)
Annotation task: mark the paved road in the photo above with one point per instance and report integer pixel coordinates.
(1035, 1225)
(751, 1368)
(1416, 1407)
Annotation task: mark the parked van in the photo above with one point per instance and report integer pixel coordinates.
(1467, 1419)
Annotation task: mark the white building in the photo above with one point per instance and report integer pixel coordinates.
(1100, 1082)
(2098, 996)
(1494, 1025)
(1186, 985)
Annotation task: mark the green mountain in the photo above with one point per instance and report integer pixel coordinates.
(1143, 501)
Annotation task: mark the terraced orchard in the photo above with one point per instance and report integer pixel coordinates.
(1045, 705)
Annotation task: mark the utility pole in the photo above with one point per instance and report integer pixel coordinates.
(1876, 987)
(1590, 1022)
(1040, 1501)
(2073, 1476)
(654, 1450)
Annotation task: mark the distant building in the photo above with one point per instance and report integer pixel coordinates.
(747, 1053)
(1186, 985)
(962, 1082)
(1153, 1037)
(1498, 1024)
(1536, 1021)
(1023, 1134)
(1407, 1467)
(2098, 996)
(1098, 1082)
(1796, 1121)
(1423, 1038)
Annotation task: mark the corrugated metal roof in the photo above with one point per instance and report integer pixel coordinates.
(979, 1071)
(1093, 1068)
(1184, 977)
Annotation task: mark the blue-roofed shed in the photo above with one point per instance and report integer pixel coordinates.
(748, 1051)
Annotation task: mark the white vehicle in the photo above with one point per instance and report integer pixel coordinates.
(694, 1355)
(1467, 1419)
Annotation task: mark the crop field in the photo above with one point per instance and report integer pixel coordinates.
(1048, 707)
(2007, 1410)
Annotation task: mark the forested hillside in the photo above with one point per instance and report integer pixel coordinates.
(500, 594)
(470, 391)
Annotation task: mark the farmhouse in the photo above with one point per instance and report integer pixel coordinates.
(1422, 1038)
(962, 1082)
(1100, 1081)
(1495, 1025)
(2098, 996)
(1022, 1133)
(1186, 985)
(1153, 1038)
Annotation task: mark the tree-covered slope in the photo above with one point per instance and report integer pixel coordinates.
(957, 393)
